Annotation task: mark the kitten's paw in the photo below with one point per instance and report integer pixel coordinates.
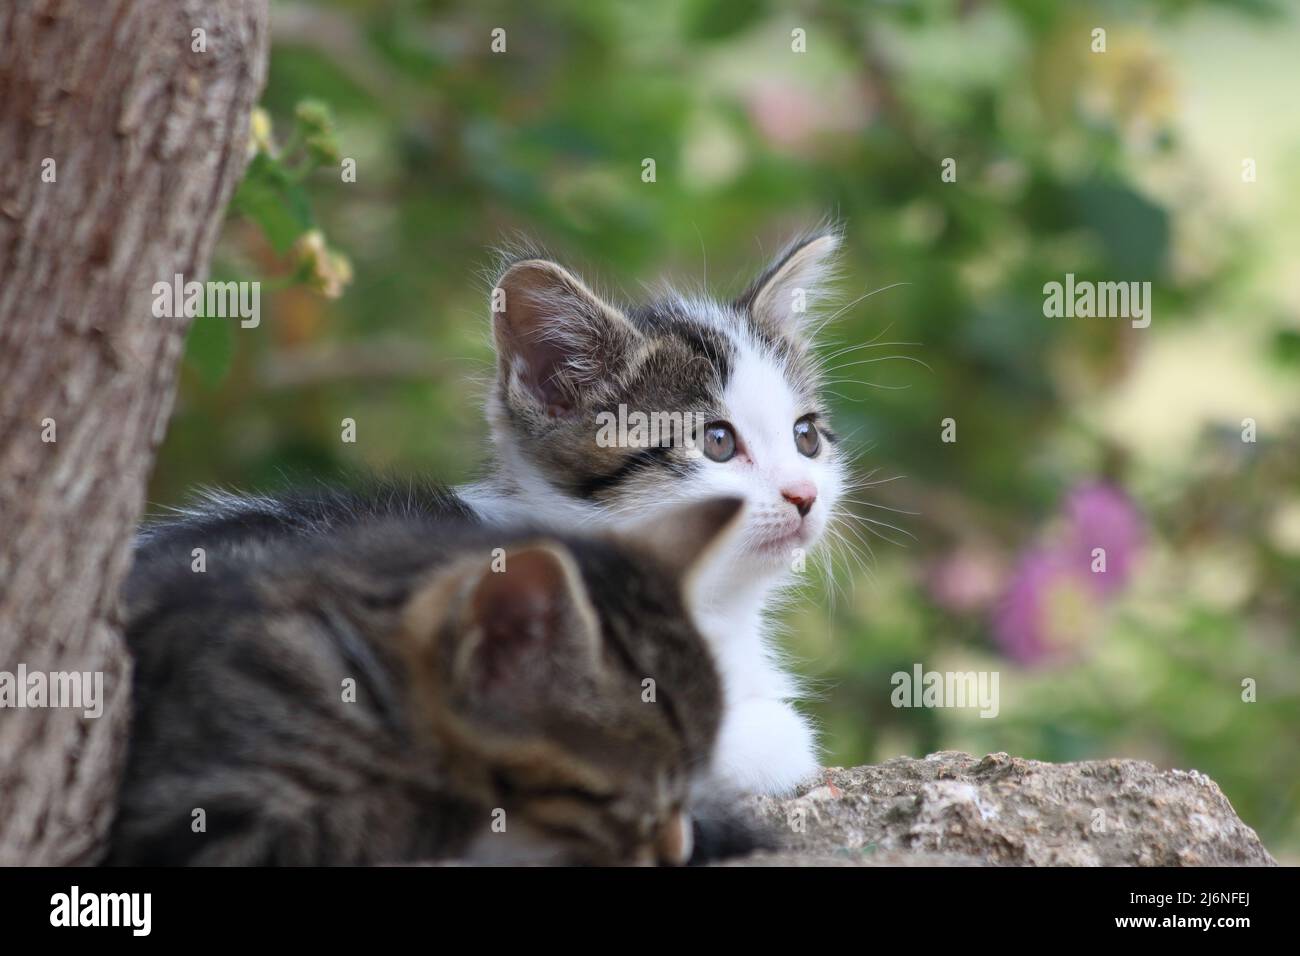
(765, 746)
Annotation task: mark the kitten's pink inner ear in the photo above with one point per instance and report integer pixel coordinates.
(804, 269)
(540, 365)
(519, 605)
(527, 618)
(523, 340)
(528, 331)
(556, 336)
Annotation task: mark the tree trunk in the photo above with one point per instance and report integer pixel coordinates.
(147, 136)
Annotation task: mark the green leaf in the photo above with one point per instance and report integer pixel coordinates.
(1286, 347)
(1134, 232)
(719, 19)
(209, 348)
(271, 198)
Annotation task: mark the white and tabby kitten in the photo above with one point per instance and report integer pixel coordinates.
(566, 355)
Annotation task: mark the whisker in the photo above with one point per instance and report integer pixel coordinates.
(863, 541)
(872, 504)
(869, 524)
(882, 481)
(884, 358)
(873, 344)
(860, 298)
(844, 398)
(852, 552)
(854, 381)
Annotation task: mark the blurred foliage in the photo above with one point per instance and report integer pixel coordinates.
(1123, 165)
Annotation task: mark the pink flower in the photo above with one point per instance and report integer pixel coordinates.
(1052, 601)
(969, 579)
(1102, 516)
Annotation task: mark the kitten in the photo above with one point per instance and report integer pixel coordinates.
(362, 678)
(566, 356)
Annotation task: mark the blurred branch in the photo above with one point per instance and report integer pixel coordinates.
(877, 78)
(328, 364)
(337, 35)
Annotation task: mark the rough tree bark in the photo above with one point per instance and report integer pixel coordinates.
(147, 135)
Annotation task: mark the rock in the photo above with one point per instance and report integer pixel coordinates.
(951, 809)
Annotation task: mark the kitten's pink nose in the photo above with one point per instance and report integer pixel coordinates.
(801, 494)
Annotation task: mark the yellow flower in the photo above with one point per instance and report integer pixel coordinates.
(327, 271)
(259, 133)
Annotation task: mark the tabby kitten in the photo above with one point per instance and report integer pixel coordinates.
(568, 360)
(376, 678)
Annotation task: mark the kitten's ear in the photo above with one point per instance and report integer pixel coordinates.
(525, 622)
(556, 340)
(783, 296)
(684, 536)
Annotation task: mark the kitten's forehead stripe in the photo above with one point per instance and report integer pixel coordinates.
(719, 333)
(673, 319)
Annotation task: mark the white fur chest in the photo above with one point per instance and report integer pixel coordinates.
(764, 744)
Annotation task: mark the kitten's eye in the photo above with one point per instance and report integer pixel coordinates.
(719, 441)
(806, 438)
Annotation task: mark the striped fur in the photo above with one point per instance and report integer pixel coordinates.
(476, 689)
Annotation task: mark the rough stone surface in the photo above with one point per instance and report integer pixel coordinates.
(952, 809)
